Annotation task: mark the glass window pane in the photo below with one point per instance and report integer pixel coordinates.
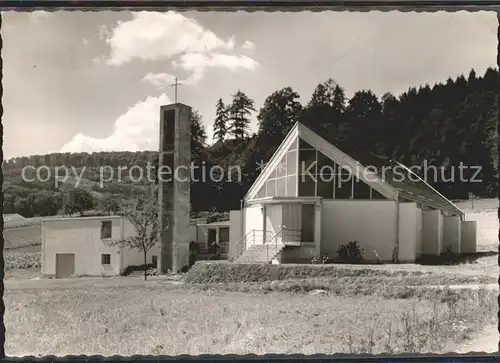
(281, 168)
(325, 166)
(262, 192)
(273, 174)
(325, 189)
(106, 228)
(291, 186)
(304, 145)
(307, 162)
(307, 186)
(294, 145)
(343, 186)
(224, 234)
(271, 188)
(361, 190)
(377, 195)
(281, 185)
(344, 170)
(291, 162)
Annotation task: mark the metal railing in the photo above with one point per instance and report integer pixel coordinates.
(279, 240)
(251, 238)
(214, 251)
(273, 242)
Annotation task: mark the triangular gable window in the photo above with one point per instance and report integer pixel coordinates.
(304, 171)
(283, 180)
(319, 176)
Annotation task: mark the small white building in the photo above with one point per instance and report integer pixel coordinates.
(77, 246)
(312, 198)
(212, 235)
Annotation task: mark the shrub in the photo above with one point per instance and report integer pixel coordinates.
(325, 259)
(152, 272)
(350, 253)
(22, 260)
(224, 272)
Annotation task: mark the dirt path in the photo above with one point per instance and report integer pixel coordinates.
(484, 342)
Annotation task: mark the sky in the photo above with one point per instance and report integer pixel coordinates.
(95, 81)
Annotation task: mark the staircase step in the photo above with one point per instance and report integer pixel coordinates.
(260, 253)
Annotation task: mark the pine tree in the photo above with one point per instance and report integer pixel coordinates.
(220, 124)
(239, 110)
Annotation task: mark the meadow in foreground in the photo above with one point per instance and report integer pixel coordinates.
(162, 318)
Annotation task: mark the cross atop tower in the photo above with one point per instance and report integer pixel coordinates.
(175, 84)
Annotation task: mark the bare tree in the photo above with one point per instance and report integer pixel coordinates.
(143, 216)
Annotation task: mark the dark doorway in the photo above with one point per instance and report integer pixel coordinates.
(308, 218)
(65, 265)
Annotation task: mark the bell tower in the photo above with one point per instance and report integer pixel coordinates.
(174, 186)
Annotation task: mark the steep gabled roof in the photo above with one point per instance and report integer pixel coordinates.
(336, 155)
(383, 180)
(414, 187)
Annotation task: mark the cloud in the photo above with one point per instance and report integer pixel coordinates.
(248, 45)
(159, 80)
(196, 64)
(158, 36)
(85, 41)
(104, 32)
(135, 130)
(172, 36)
(99, 60)
(39, 15)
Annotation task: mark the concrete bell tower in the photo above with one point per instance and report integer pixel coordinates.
(174, 186)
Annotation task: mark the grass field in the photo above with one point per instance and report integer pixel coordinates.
(354, 309)
(160, 318)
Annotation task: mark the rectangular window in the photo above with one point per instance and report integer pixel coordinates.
(281, 185)
(343, 186)
(105, 259)
(361, 190)
(155, 261)
(325, 166)
(106, 229)
(291, 186)
(325, 188)
(291, 162)
(224, 234)
(271, 188)
(281, 168)
(307, 162)
(307, 186)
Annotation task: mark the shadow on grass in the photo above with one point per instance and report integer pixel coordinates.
(450, 258)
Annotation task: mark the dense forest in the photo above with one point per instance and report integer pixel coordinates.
(445, 125)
